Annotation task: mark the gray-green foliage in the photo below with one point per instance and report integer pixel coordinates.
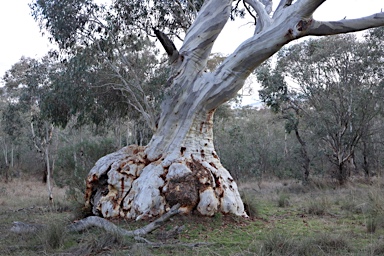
(252, 143)
(336, 100)
(111, 68)
(76, 159)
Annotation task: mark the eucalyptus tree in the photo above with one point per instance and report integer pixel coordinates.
(275, 93)
(370, 145)
(339, 86)
(26, 84)
(179, 164)
(12, 128)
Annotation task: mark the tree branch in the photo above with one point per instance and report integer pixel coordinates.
(204, 31)
(168, 45)
(267, 5)
(323, 28)
(264, 20)
(308, 7)
(94, 221)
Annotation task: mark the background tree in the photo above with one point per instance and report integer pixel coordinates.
(179, 164)
(276, 95)
(340, 91)
(12, 125)
(28, 82)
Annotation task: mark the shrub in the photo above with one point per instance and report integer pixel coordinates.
(371, 224)
(250, 204)
(376, 202)
(318, 206)
(76, 161)
(375, 249)
(53, 236)
(283, 200)
(278, 244)
(323, 244)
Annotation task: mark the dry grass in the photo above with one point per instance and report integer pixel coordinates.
(19, 194)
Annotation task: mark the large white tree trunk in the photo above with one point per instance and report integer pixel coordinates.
(180, 165)
(129, 184)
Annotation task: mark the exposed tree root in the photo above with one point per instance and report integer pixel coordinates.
(94, 221)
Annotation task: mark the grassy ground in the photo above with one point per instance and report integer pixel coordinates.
(286, 219)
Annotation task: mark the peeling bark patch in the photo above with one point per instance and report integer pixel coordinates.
(183, 191)
(203, 176)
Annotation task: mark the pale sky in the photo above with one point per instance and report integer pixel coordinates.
(21, 36)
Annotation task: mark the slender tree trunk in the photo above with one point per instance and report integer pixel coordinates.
(5, 152)
(366, 165)
(342, 176)
(49, 185)
(304, 154)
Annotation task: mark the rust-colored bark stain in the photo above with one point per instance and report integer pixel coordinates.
(94, 178)
(208, 122)
(134, 149)
(217, 182)
(210, 118)
(89, 188)
(219, 192)
(122, 185)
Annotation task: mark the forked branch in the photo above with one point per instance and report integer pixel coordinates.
(263, 20)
